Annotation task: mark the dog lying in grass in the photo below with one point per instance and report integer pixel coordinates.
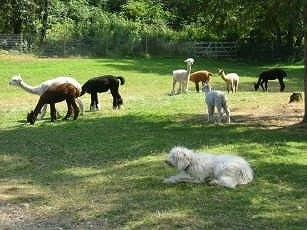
(224, 170)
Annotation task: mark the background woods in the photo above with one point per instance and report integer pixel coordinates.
(138, 27)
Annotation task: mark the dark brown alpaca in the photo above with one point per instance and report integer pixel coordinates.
(55, 94)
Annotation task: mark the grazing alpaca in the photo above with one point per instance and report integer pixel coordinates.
(103, 84)
(216, 99)
(200, 76)
(40, 89)
(231, 79)
(182, 76)
(271, 74)
(54, 94)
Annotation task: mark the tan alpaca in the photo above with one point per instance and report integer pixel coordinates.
(231, 79)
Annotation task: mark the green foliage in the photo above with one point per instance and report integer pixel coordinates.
(251, 23)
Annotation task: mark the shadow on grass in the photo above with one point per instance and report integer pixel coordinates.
(126, 155)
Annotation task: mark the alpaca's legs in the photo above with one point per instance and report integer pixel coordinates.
(52, 112)
(281, 83)
(117, 100)
(69, 108)
(76, 109)
(92, 108)
(97, 107)
(174, 84)
(236, 87)
(94, 101)
(81, 106)
(180, 90)
(228, 86)
(266, 85)
(210, 112)
(197, 86)
(184, 88)
(261, 84)
(42, 112)
(227, 111)
(219, 110)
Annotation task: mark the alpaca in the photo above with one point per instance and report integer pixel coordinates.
(231, 79)
(182, 76)
(57, 93)
(200, 76)
(271, 74)
(40, 89)
(103, 84)
(216, 99)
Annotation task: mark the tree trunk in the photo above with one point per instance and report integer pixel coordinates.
(305, 63)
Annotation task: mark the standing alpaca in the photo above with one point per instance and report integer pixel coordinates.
(200, 76)
(182, 76)
(54, 94)
(231, 79)
(216, 99)
(103, 84)
(40, 89)
(271, 74)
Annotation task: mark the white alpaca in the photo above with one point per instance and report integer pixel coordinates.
(216, 99)
(224, 170)
(40, 89)
(182, 76)
(231, 79)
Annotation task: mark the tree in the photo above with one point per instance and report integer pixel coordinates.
(305, 62)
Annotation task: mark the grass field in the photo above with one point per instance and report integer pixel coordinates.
(105, 170)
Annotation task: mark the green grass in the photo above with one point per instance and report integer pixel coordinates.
(104, 171)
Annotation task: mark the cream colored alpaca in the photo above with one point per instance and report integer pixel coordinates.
(182, 76)
(231, 79)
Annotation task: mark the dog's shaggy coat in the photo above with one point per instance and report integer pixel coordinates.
(224, 170)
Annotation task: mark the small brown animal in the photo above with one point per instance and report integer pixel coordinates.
(296, 97)
(55, 94)
(202, 76)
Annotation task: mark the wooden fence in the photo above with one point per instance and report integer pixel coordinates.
(216, 49)
(12, 42)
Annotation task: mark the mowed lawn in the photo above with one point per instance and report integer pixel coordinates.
(105, 170)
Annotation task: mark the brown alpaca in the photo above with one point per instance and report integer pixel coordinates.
(231, 79)
(200, 76)
(55, 94)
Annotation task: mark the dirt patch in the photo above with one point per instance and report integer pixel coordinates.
(275, 116)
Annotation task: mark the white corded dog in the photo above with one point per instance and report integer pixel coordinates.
(224, 170)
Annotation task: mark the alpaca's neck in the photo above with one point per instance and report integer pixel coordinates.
(31, 89)
(223, 75)
(38, 107)
(189, 67)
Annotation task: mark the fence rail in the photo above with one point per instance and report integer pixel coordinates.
(12, 42)
(216, 49)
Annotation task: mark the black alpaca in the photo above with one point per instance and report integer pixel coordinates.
(102, 84)
(271, 74)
